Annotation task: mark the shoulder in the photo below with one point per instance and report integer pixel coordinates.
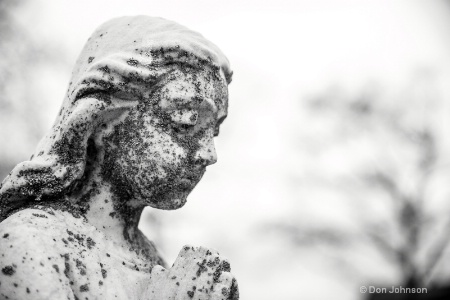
(31, 217)
(32, 226)
(31, 266)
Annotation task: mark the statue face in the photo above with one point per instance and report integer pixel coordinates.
(160, 151)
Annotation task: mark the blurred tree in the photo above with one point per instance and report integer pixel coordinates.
(386, 156)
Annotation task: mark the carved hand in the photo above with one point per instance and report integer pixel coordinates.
(197, 274)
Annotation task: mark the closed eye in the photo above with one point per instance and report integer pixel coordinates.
(182, 128)
(184, 116)
(183, 119)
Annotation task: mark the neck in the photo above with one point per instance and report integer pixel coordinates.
(116, 218)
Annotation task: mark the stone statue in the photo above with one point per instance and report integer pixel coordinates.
(135, 129)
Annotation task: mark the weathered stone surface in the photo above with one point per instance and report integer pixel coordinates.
(198, 273)
(136, 129)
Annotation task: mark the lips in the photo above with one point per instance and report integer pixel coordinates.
(191, 180)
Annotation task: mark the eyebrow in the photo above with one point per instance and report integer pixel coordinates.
(187, 102)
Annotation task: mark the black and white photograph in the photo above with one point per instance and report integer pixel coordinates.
(225, 150)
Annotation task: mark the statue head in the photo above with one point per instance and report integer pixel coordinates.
(146, 98)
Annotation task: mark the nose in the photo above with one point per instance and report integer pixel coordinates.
(206, 154)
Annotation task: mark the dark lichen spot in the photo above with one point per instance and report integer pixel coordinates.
(105, 69)
(226, 266)
(216, 275)
(8, 270)
(201, 268)
(132, 62)
(79, 238)
(56, 268)
(5, 235)
(66, 265)
(104, 273)
(66, 269)
(190, 294)
(234, 291)
(84, 287)
(80, 266)
(90, 59)
(39, 215)
(90, 242)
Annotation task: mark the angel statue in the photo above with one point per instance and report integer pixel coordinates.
(136, 129)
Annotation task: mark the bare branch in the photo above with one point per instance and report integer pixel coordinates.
(436, 252)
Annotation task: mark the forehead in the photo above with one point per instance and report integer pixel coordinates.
(195, 87)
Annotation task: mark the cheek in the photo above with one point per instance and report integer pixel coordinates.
(160, 152)
(153, 152)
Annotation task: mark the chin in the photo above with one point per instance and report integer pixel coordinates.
(171, 201)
